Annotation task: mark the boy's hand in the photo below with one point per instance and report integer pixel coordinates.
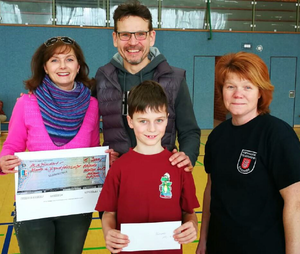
(181, 159)
(186, 233)
(113, 156)
(115, 241)
(8, 164)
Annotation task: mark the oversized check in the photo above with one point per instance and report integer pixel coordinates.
(59, 182)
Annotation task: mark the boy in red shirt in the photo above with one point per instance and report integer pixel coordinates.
(142, 186)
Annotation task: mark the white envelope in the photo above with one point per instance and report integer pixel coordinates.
(151, 236)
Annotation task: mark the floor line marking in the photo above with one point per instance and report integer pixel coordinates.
(95, 248)
(7, 240)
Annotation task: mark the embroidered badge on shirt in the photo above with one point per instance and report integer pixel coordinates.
(247, 161)
(165, 188)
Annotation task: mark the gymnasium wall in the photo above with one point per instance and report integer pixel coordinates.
(191, 50)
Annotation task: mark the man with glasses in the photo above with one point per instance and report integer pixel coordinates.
(137, 60)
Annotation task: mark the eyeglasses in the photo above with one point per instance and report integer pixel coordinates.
(64, 39)
(139, 35)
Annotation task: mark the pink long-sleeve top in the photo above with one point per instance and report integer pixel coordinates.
(27, 130)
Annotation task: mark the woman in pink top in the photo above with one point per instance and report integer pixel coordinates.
(59, 114)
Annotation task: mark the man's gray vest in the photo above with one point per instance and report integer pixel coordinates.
(110, 97)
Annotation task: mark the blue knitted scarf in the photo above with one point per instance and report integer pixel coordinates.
(62, 111)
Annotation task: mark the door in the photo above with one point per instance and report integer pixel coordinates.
(283, 77)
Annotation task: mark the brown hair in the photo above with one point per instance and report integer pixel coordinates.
(250, 67)
(148, 94)
(133, 8)
(43, 54)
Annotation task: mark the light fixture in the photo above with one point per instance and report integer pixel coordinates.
(259, 48)
(246, 46)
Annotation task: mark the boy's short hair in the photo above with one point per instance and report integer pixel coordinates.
(148, 94)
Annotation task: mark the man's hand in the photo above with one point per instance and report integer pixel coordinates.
(112, 156)
(181, 159)
(29, 93)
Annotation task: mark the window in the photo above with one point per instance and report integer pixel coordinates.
(231, 15)
(81, 13)
(187, 14)
(275, 16)
(236, 15)
(26, 12)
